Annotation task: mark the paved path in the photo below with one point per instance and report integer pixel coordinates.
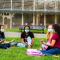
(17, 34)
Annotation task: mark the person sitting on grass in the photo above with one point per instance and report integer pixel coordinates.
(54, 46)
(27, 37)
(2, 38)
(44, 44)
(54, 40)
(3, 43)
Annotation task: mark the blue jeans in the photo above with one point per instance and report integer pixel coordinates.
(53, 51)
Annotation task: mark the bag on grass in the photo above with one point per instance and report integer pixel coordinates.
(34, 52)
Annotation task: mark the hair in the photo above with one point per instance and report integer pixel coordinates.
(25, 27)
(56, 27)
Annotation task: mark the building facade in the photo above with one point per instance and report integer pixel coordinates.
(34, 12)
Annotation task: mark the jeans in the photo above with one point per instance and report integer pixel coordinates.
(22, 45)
(53, 51)
(4, 46)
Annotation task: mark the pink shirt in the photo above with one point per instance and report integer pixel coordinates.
(57, 38)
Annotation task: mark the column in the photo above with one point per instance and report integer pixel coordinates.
(10, 21)
(56, 6)
(22, 13)
(33, 19)
(45, 21)
(55, 19)
(37, 19)
(22, 19)
(45, 1)
(22, 5)
(3, 19)
(34, 5)
(11, 4)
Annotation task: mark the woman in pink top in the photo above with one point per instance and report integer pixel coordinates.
(54, 40)
(49, 36)
(53, 47)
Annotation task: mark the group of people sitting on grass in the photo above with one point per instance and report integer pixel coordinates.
(51, 47)
(27, 39)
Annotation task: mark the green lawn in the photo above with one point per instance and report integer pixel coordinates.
(16, 53)
(19, 30)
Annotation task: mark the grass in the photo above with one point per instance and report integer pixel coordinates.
(16, 53)
(19, 30)
(13, 30)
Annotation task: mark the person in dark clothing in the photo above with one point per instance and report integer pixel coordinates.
(2, 38)
(2, 35)
(27, 37)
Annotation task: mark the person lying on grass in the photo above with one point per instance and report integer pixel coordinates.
(53, 48)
